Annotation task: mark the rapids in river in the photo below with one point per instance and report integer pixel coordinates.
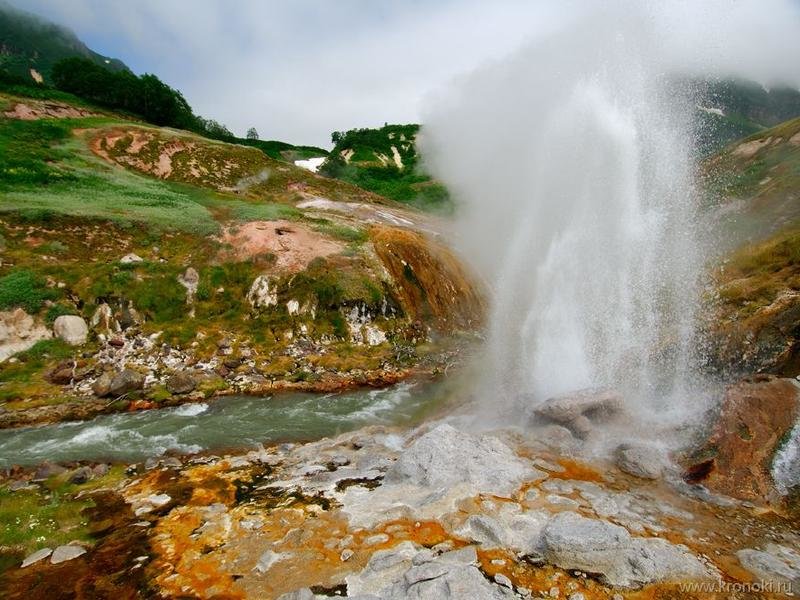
(225, 423)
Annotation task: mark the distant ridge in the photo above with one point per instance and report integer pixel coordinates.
(30, 45)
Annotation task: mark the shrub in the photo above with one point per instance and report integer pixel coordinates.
(23, 289)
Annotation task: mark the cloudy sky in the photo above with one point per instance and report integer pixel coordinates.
(299, 69)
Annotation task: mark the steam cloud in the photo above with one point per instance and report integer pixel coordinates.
(573, 162)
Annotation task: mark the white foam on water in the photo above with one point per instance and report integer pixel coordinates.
(190, 410)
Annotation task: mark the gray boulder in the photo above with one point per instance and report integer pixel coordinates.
(445, 457)
(47, 470)
(181, 382)
(72, 329)
(775, 563)
(571, 541)
(102, 385)
(126, 381)
(579, 411)
(641, 460)
(81, 475)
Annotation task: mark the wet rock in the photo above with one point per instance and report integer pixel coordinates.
(100, 470)
(485, 530)
(36, 557)
(72, 329)
(301, 594)
(756, 415)
(571, 541)
(47, 470)
(65, 553)
(81, 475)
(266, 560)
(126, 381)
(775, 563)
(181, 382)
(640, 460)
(486, 462)
(150, 503)
(580, 411)
(102, 385)
(19, 485)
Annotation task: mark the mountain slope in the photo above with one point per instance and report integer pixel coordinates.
(756, 322)
(733, 109)
(30, 46)
(173, 250)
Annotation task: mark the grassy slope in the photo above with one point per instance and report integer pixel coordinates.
(67, 216)
(370, 164)
(759, 283)
(748, 108)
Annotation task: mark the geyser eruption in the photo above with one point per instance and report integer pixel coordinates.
(574, 162)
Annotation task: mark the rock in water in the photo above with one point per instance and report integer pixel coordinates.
(571, 541)
(640, 460)
(126, 381)
(446, 456)
(756, 415)
(72, 329)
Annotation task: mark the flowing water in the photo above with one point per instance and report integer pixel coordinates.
(233, 422)
(573, 161)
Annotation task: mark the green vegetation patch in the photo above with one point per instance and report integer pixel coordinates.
(49, 516)
(23, 289)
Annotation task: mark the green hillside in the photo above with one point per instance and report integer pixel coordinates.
(732, 109)
(755, 184)
(386, 161)
(29, 42)
(312, 286)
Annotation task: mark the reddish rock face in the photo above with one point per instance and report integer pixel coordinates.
(756, 415)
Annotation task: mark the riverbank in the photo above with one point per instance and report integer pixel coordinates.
(386, 512)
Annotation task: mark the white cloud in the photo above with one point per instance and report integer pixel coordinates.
(298, 70)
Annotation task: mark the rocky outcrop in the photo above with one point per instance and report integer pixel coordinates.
(181, 382)
(641, 460)
(72, 329)
(755, 419)
(582, 410)
(484, 462)
(19, 331)
(575, 542)
(775, 563)
(263, 292)
(126, 381)
(433, 284)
